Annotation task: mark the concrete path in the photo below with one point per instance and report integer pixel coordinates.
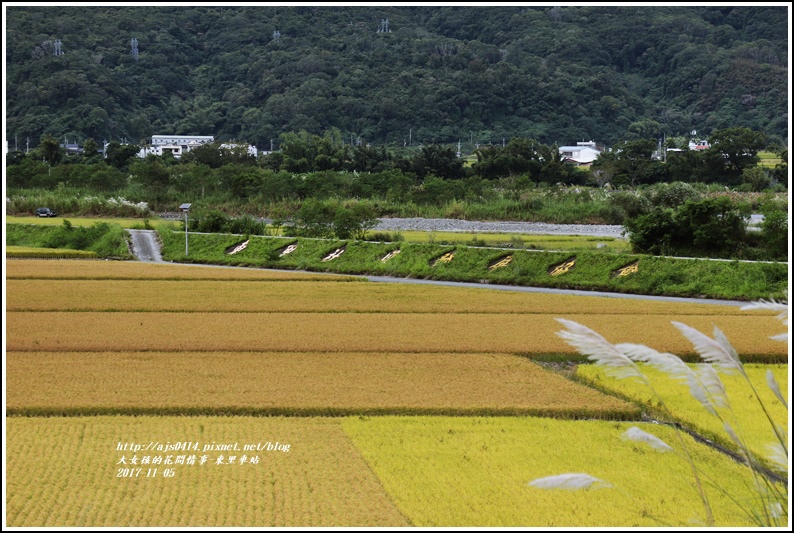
(145, 246)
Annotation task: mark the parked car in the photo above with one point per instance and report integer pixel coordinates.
(45, 212)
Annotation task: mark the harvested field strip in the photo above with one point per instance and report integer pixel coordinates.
(306, 296)
(367, 332)
(133, 270)
(298, 383)
(474, 472)
(750, 421)
(63, 472)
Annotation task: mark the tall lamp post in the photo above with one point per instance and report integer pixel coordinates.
(185, 208)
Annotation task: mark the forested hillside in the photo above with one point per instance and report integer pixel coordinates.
(439, 74)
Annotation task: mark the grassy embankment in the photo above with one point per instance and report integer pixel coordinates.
(591, 270)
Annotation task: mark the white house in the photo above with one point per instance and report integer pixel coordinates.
(175, 144)
(182, 144)
(583, 153)
(698, 145)
(251, 149)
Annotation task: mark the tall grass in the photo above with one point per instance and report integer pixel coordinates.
(767, 501)
(74, 202)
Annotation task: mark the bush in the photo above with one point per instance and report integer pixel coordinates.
(774, 233)
(672, 194)
(712, 227)
(631, 203)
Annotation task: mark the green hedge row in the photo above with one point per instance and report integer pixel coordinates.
(596, 271)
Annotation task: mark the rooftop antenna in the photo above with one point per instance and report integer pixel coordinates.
(134, 49)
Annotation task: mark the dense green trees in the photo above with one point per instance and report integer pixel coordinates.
(710, 227)
(443, 74)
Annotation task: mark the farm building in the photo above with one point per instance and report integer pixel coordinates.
(583, 153)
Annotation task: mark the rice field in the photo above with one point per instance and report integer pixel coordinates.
(48, 253)
(475, 471)
(745, 415)
(30, 269)
(533, 335)
(267, 293)
(67, 472)
(296, 383)
(104, 352)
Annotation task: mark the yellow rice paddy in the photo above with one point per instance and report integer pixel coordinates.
(474, 472)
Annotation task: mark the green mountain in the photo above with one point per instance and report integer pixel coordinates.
(434, 74)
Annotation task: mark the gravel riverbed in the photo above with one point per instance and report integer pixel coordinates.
(473, 226)
(470, 226)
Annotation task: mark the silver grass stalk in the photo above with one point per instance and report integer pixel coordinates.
(568, 482)
(598, 350)
(781, 308)
(699, 393)
(670, 364)
(776, 510)
(636, 434)
(710, 350)
(772, 383)
(778, 456)
(710, 381)
(732, 434)
(766, 305)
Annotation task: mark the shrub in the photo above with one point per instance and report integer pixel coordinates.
(711, 227)
(672, 194)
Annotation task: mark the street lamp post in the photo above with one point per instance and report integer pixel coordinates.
(185, 208)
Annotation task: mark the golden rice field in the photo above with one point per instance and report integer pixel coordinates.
(743, 413)
(304, 294)
(532, 334)
(63, 472)
(112, 339)
(474, 472)
(296, 383)
(104, 270)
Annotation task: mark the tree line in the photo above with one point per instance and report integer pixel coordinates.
(477, 74)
